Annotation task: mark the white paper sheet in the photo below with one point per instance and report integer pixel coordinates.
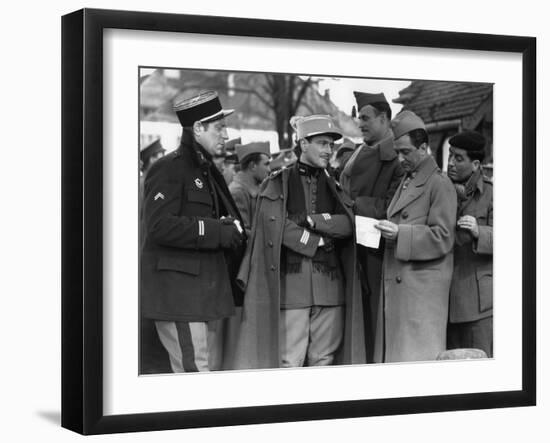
(365, 232)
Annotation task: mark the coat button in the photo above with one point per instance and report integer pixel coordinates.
(204, 173)
(270, 243)
(272, 218)
(405, 215)
(398, 279)
(282, 197)
(272, 267)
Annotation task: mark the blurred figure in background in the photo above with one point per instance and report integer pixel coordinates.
(147, 156)
(254, 169)
(282, 159)
(340, 156)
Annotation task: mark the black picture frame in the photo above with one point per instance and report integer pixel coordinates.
(82, 218)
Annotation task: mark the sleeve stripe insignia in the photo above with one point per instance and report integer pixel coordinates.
(201, 228)
(159, 195)
(326, 216)
(305, 237)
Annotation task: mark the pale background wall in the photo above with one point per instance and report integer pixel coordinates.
(30, 221)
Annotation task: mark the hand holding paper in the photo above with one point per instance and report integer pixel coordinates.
(366, 232)
(388, 229)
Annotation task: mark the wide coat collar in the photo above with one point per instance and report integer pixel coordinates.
(415, 188)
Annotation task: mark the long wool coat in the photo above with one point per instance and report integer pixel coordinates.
(417, 269)
(258, 344)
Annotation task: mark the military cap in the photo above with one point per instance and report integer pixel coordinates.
(347, 145)
(230, 144)
(364, 98)
(405, 122)
(204, 107)
(315, 125)
(244, 151)
(151, 149)
(468, 140)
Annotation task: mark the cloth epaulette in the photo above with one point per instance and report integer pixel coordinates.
(277, 172)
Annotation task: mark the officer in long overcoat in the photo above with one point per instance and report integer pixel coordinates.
(268, 267)
(194, 241)
(418, 259)
(370, 177)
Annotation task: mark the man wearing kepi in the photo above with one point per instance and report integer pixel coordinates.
(193, 237)
(302, 304)
(254, 161)
(370, 178)
(471, 304)
(418, 258)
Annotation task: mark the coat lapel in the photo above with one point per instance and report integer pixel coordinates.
(415, 188)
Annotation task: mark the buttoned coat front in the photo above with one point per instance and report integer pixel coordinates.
(258, 344)
(472, 284)
(417, 269)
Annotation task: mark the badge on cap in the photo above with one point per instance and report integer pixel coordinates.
(198, 183)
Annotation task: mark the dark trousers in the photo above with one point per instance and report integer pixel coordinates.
(475, 334)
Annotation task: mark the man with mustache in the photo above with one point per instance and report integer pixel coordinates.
(194, 240)
(302, 304)
(370, 177)
(471, 303)
(418, 258)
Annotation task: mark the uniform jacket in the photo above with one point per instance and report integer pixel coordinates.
(185, 274)
(417, 269)
(244, 190)
(371, 181)
(472, 284)
(258, 345)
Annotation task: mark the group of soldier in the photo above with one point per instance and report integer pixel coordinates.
(267, 272)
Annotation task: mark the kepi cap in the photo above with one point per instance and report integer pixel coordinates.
(315, 125)
(364, 98)
(204, 107)
(405, 122)
(468, 140)
(244, 151)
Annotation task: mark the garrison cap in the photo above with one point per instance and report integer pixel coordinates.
(364, 98)
(244, 151)
(231, 144)
(468, 140)
(315, 125)
(151, 149)
(204, 107)
(405, 122)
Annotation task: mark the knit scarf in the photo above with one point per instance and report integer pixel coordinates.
(465, 192)
(325, 259)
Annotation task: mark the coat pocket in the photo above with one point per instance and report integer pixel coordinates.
(187, 265)
(199, 197)
(485, 289)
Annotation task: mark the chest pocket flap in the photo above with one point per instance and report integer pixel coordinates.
(199, 197)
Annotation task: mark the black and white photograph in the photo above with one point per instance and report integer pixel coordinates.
(293, 220)
(277, 221)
